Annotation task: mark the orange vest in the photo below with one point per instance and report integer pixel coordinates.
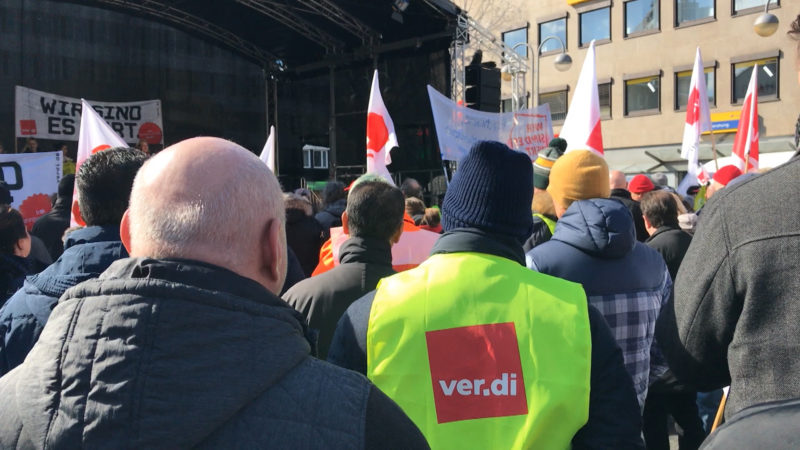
(414, 246)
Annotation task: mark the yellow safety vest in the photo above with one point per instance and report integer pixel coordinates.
(551, 224)
(481, 352)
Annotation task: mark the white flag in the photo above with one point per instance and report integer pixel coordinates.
(381, 138)
(95, 135)
(698, 120)
(582, 129)
(268, 152)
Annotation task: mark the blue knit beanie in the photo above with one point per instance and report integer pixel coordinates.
(492, 191)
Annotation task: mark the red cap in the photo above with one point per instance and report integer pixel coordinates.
(726, 174)
(640, 184)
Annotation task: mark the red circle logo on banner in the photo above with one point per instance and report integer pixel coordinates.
(100, 148)
(34, 207)
(151, 133)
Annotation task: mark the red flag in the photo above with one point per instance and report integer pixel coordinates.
(95, 135)
(745, 147)
(381, 138)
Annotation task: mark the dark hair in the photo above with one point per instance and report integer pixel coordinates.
(375, 210)
(12, 229)
(104, 183)
(333, 192)
(660, 208)
(66, 186)
(411, 188)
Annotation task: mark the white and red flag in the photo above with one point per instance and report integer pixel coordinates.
(381, 138)
(698, 121)
(268, 152)
(745, 146)
(582, 126)
(95, 135)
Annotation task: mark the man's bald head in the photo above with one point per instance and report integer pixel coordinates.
(210, 200)
(617, 180)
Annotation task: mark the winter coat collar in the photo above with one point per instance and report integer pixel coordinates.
(663, 230)
(479, 241)
(621, 193)
(599, 227)
(88, 252)
(87, 235)
(366, 250)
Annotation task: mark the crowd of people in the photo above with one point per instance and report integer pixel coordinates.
(557, 304)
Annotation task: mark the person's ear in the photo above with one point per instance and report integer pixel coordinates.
(273, 256)
(76, 213)
(646, 222)
(345, 226)
(125, 231)
(396, 236)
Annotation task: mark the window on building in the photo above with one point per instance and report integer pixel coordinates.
(518, 36)
(604, 93)
(755, 5)
(683, 80)
(558, 104)
(315, 157)
(595, 25)
(556, 28)
(642, 94)
(641, 16)
(506, 105)
(691, 10)
(767, 79)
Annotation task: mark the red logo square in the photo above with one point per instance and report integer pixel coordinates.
(476, 372)
(27, 127)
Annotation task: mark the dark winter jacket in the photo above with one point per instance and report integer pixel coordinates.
(39, 258)
(179, 354)
(51, 226)
(89, 252)
(671, 242)
(294, 271)
(331, 216)
(624, 196)
(540, 234)
(324, 298)
(735, 316)
(13, 270)
(304, 236)
(770, 426)
(614, 415)
(595, 245)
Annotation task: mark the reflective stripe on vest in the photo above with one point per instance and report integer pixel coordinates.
(551, 224)
(481, 352)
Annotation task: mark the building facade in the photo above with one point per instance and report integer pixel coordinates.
(645, 51)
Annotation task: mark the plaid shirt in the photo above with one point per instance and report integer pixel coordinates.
(632, 319)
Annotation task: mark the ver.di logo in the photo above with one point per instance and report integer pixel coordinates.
(476, 372)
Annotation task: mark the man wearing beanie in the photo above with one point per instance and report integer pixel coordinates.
(721, 179)
(544, 216)
(595, 245)
(640, 185)
(481, 352)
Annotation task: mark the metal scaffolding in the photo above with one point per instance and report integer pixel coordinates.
(279, 11)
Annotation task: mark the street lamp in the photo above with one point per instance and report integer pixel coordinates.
(766, 24)
(513, 72)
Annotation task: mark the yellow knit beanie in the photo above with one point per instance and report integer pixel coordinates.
(578, 175)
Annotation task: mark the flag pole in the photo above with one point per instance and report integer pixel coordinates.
(714, 149)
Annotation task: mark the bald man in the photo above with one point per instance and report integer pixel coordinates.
(186, 344)
(619, 191)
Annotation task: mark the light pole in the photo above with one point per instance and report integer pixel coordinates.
(766, 23)
(517, 74)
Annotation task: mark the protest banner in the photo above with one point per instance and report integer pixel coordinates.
(458, 127)
(32, 178)
(49, 116)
